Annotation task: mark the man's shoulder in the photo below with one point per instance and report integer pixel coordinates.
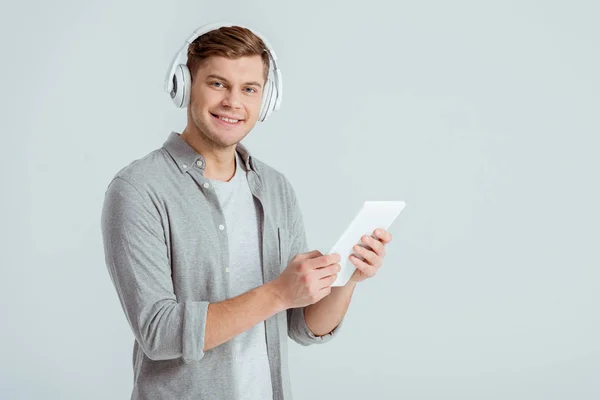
(266, 170)
(145, 170)
(272, 177)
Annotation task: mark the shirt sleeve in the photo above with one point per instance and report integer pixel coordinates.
(137, 259)
(298, 331)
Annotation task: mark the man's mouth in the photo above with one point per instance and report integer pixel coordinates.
(228, 120)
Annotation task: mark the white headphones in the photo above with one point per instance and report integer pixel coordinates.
(178, 82)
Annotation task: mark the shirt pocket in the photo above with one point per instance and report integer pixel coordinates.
(283, 247)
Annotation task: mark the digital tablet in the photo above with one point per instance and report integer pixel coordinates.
(372, 215)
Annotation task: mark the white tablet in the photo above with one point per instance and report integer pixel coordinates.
(372, 215)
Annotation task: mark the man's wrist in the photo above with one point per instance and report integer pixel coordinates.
(351, 284)
(275, 292)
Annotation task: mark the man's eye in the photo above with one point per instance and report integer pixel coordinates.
(216, 84)
(251, 90)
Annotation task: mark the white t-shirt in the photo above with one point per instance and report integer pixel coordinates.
(242, 217)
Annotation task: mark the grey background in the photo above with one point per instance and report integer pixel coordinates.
(482, 116)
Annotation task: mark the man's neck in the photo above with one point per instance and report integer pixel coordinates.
(220, 162)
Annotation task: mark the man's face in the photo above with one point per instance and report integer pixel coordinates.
(226, 97)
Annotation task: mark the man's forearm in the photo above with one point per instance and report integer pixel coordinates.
(231, 317)
(323, 316)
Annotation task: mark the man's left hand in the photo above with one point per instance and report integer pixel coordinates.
(373, 252)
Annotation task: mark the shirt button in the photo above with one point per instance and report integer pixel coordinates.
(199, 163)
(226, 269)
(221, 227)
(184, 166)
(206, 185)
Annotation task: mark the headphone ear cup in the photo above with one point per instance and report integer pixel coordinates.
(267, 100)
(182, 84)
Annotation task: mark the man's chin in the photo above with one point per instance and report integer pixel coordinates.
(226, 139)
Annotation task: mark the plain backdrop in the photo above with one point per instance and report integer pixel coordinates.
(482, 115)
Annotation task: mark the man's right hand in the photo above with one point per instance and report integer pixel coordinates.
(307, 279)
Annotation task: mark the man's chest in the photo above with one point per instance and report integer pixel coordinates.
(208, 241)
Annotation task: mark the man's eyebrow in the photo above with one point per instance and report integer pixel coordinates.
(219, 77)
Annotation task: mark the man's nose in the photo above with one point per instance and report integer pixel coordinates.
(232, 99)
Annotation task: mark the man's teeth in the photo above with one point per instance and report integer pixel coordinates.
(231, 121)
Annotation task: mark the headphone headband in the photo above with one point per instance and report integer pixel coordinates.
(181, 59)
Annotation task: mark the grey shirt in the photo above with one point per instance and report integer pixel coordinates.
(167, 253)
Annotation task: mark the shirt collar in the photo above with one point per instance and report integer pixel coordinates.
(186, 157)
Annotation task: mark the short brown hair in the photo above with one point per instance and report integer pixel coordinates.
(230, 42)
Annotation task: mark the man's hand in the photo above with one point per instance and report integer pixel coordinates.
(372, 250)
(307, 279)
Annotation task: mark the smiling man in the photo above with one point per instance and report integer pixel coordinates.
(205, 244)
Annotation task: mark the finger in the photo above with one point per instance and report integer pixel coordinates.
(324, 260)
(366, 269)
(383, 235)
(367, 254)
(375, 245)
(325, 291)
(328, 281)
(328, 271)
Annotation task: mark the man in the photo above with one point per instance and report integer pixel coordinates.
(206, 246)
